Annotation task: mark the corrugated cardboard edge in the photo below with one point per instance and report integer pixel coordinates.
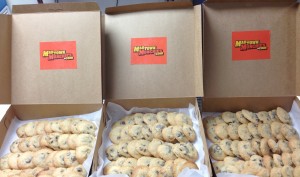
(56, 7)
(147, 6)
(102, 16)
(198, 51)
(5, 59)
(212, 1)
(297, 51)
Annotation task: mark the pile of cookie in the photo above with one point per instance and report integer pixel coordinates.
(50, 149)
(262, 144)
(152, 145)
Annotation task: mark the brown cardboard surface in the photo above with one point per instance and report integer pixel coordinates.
(5, 59)
(180, 77)
(252, 103)
(56, 7)
(25, 112)
(148, 6)
(254, 78)
(226, 1)
(154, 103)
(30, 85)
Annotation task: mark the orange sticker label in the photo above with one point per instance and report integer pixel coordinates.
(58, 55)
(251, 45)
(149, 50)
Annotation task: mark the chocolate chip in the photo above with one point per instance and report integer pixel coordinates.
(28, 160)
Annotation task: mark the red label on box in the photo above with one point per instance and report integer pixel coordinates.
(251, 45)
(149, 50)
(58, 55)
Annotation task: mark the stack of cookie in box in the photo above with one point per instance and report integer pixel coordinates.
(152, 145)
(262, 144)
(50, 149)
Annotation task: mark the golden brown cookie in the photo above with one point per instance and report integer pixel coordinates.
(264, 117)
(153, 145)
(229, 117)
(287, 158)
(232, 131)
(185, 151)
(182, 118)
(294, 143)
(274, 146)
(253, 129)
(221, 130)
(264, 130)
(242, 119)
(283, 115)
(162, 118)
(296, 157)
(226, 147)
(288, 132)
(284, 146)
(165, 151)
(276, 130)
(216, 152)
(244, 132)
(268, 162)
(287, 171)
(251, 116)
(277, 160)
(264, 147)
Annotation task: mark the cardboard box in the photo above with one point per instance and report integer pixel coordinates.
(261, 82)
(169, 74)
(34, 78)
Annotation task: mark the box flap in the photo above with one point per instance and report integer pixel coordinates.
(56, 58)
(243, 1)
(147, 6)
(56, 7)
(5, 59)
(132, 74)
(225, 77)
(255, 104)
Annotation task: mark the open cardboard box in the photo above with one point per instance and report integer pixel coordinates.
(256, 85)
(34, 92)
(173, 84)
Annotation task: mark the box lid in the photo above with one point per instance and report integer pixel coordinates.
(276, 76)
(56, 54)
(172, 69)
(5, 59)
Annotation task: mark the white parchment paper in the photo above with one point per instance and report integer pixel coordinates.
(116, 112)
(295, 116)
(11, 134)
